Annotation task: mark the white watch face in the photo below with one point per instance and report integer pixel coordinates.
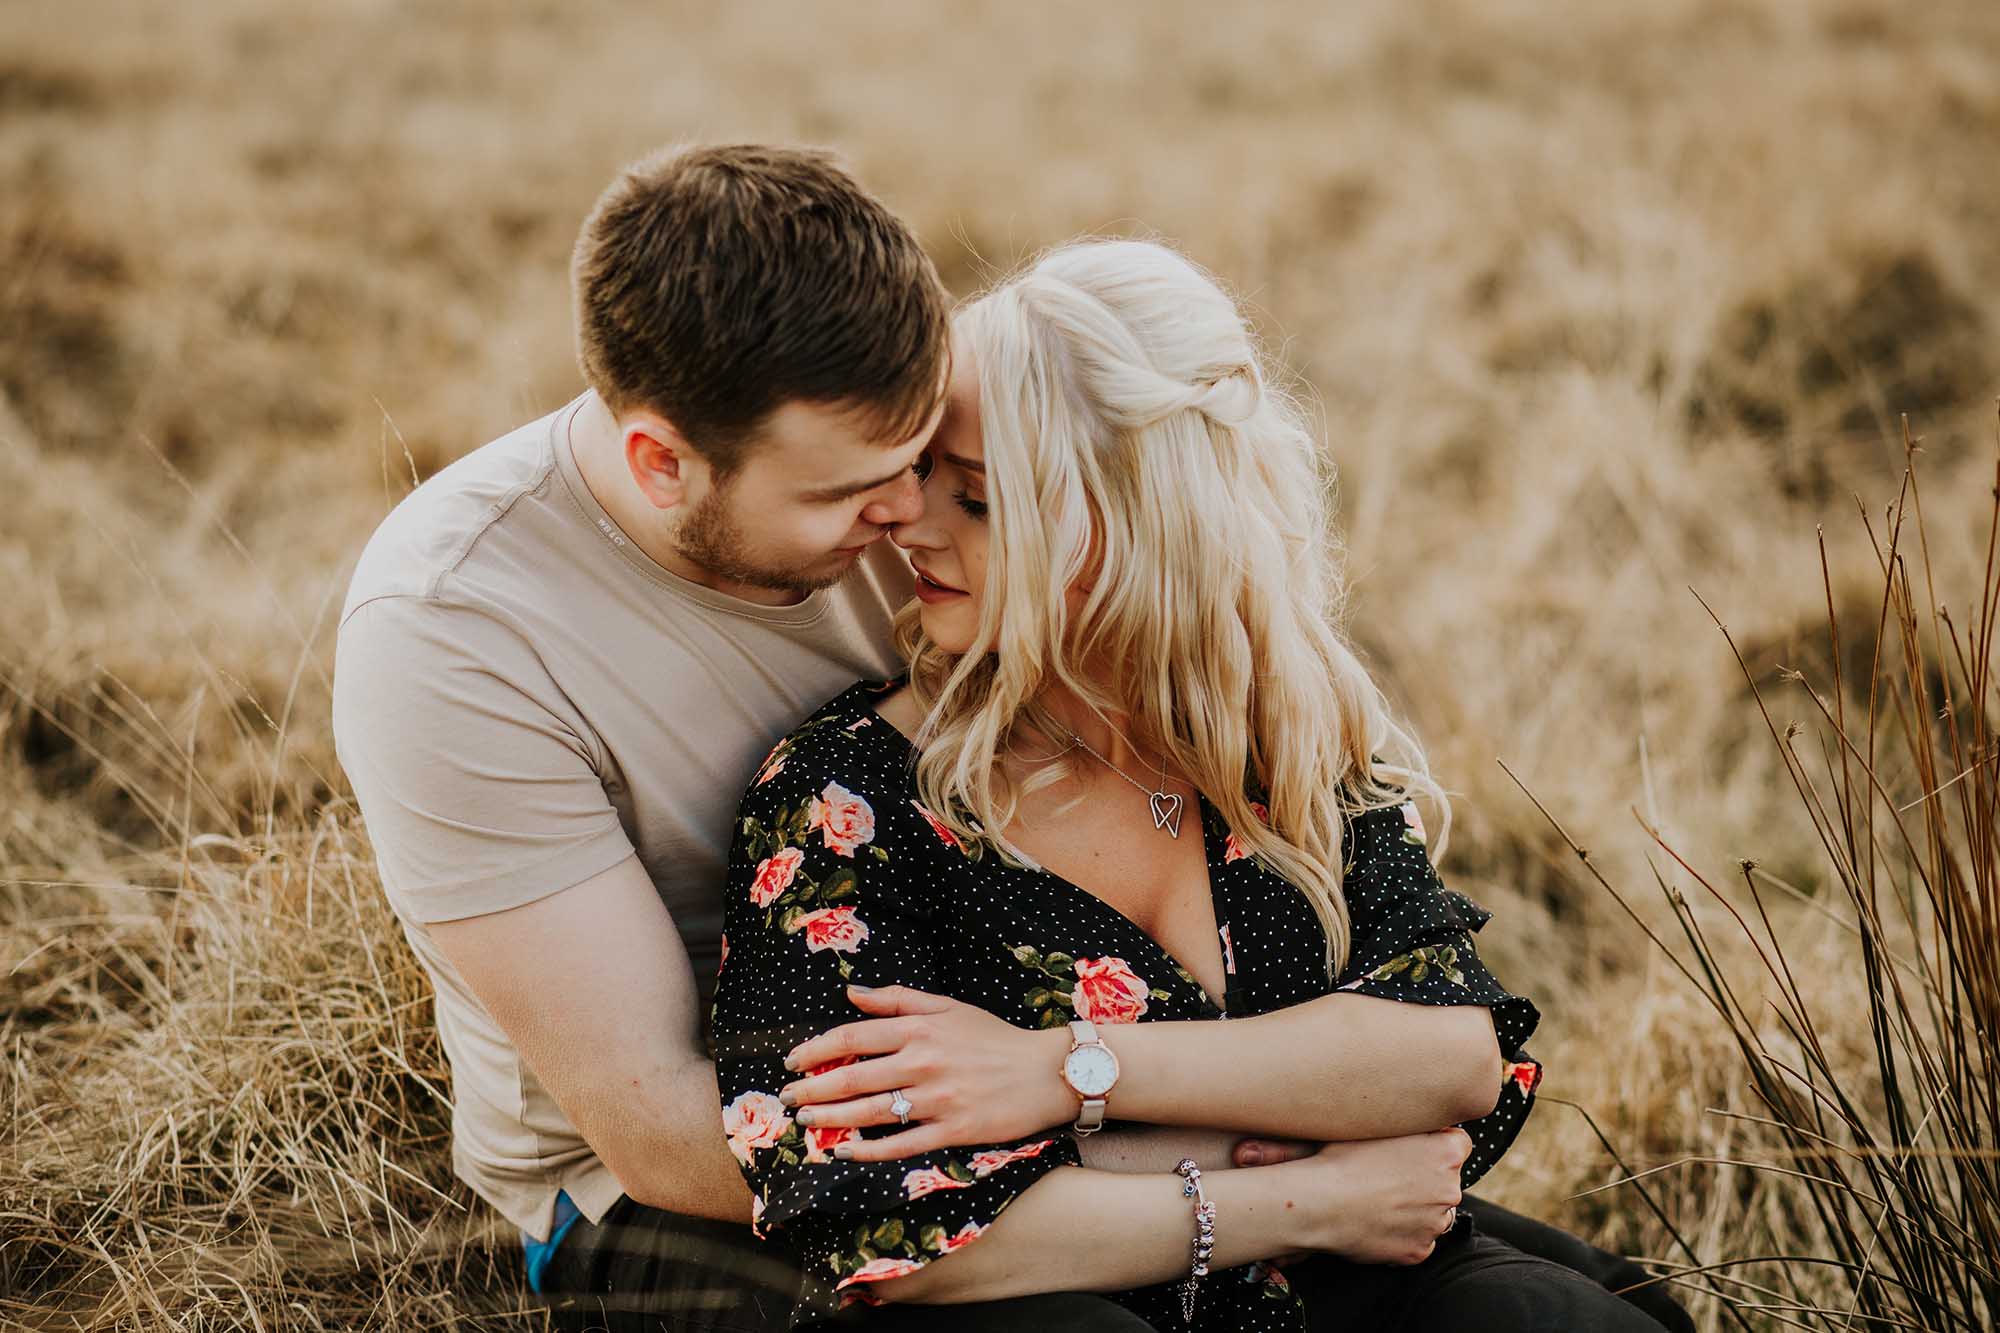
(1091, 1070)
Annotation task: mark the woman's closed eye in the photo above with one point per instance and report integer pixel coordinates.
(973, 508)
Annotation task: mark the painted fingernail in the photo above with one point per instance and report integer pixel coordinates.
(1251, 1156)
(858, 987)
(805, 1118)
(792, 1059)
(787, 1098)
(843, 1152)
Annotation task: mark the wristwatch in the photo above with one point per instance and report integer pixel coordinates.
(1090, 1069)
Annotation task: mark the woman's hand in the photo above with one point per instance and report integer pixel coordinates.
(970, 1076)
(1386, 1201)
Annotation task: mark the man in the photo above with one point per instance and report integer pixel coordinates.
(562, 657)
(560, 662)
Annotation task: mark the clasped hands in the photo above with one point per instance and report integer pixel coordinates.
(971, 1077)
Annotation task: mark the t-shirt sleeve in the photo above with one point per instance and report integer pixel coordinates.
(479, 794)
(1411, 940)
(819, 894)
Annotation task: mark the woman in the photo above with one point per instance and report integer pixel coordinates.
(1133, 783)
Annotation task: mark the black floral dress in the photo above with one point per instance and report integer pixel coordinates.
(839, 875)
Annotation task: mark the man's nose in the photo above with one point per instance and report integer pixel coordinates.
(904, 504)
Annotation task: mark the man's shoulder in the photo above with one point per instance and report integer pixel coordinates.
(437, 526)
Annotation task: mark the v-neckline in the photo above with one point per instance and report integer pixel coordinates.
(1215, 909)
(1209, 854)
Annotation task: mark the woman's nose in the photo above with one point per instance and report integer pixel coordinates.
(916, 533)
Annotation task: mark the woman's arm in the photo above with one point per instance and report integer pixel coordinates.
(1340, 1067)
(1344, 1066)
(1382, 1202)
(1418, 1035)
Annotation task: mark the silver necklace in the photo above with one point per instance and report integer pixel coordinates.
(1166, 805)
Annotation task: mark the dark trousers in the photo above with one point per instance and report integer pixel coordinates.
(642, 1270)
(1487, 1280)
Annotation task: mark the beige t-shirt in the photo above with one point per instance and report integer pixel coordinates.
(521, 700)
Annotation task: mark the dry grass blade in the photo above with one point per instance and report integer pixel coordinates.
(1919, 1246)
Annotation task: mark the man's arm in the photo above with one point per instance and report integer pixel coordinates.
(480, 786)
(594, 986)
(1142, 1149)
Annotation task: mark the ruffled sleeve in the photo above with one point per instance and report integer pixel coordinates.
(1412, 941)
(826, 887)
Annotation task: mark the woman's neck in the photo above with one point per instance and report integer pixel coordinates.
(1108, 732)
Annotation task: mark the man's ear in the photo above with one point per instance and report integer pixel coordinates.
(660, 459)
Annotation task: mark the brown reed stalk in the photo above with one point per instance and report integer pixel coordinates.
(1890, 1171)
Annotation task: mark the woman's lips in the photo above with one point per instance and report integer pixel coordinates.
(930, 591)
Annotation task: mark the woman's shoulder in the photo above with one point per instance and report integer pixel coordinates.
(844, 744)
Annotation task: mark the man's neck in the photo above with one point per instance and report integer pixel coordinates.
(598, 445)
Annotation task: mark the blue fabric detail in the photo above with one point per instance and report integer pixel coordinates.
(541, 1251)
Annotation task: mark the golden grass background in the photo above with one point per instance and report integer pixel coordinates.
(1600, 303)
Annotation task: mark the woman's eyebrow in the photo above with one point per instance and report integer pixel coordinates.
(966, 464)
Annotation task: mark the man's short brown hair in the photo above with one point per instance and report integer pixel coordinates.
(715, 284)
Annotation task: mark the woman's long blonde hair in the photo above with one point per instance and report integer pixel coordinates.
(1134, 436)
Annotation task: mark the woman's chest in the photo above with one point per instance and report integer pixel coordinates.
(1156, 880)
(1182, 936)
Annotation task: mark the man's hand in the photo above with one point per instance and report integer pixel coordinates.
(1270, 1152)
(593, 985)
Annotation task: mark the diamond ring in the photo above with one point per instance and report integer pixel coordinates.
(901, 1107)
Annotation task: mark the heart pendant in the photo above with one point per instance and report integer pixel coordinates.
(1167, 812)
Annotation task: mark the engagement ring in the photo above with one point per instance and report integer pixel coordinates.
(901, 1107)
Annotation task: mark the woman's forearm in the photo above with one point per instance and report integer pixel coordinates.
(1077, 1229)
(1339, 1067)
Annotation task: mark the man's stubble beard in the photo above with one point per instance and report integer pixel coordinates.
(709, 537)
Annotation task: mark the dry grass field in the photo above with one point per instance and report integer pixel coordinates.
(1600, 304)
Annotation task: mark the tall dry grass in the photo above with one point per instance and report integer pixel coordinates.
(1880, 1145)
(1598, 304)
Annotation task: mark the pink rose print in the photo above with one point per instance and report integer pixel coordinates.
(820, 1143)
(859, 723)
(835, 928)
(945, 835)
(878, 1270)
(769, 771)
(929, 1180)
(844, 819)
(754, 1120)
(1413, 824)
(830, 1066)
(986, 1163)
(1526, 1074)
(725, 954)
(968, 1233)
(757, 1216)
(1228, 950)
(1108, 991)
(774, 876)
